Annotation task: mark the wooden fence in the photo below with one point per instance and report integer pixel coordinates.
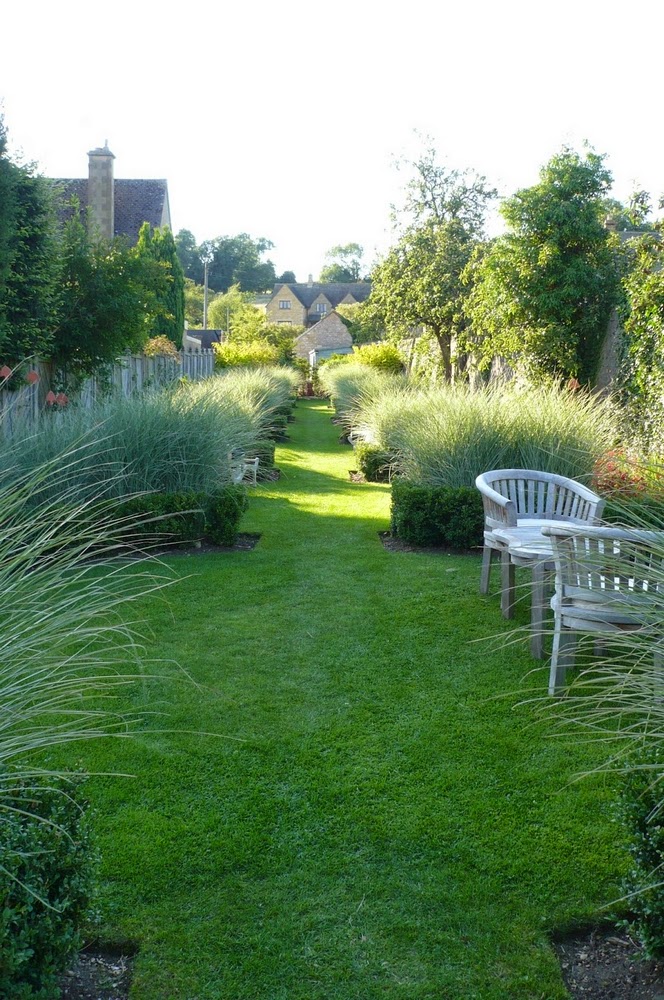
(130, 375)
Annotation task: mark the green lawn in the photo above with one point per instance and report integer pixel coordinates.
(371, 821)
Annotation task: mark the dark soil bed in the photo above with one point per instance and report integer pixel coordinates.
(608, 965)
(98, 974)
(245, 542)
(394, 544)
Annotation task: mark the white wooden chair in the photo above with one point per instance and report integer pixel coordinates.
(242, 467)
(523, 499)
(608, 580)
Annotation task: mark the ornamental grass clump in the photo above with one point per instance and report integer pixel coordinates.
(352, 386)
(69, 646)
(166, 441)
(448, 436)
(267, 391)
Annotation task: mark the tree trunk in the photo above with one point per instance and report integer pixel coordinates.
(446, 353)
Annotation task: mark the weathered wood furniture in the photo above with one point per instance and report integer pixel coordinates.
(527, 546)
(242, 467)
(526, 498)
(608, 580)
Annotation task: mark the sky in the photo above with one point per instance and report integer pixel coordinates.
(285, 120)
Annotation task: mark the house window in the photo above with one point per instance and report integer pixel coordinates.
(284, 303)
(321, 307)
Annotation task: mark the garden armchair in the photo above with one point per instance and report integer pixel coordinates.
(608, 580)
(520, 500)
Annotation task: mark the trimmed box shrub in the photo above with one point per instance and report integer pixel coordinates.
(373, 462)
(46, 886)
(187, 517)
(450, 516)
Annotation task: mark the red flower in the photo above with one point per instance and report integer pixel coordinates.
(50, 398)
(61, 399)
(5, 372)
(32, 377)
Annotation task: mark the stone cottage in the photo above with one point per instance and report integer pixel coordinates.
(300, 304)
(329, 336)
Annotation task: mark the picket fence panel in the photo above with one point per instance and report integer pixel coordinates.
(129, 376)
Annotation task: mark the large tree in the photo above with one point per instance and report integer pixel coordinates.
(418, 283)
(234, 260)
(544, 291)
(344, 263)
(28, 261)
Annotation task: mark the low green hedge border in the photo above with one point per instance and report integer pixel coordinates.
(47, 883)
(437, 515)
(187, 517)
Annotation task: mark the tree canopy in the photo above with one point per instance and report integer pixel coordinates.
(233, 260)
(419, 283)
(344, 263)
(543, 292)
(159, 245)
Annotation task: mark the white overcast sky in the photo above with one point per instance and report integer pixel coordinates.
(283, 119)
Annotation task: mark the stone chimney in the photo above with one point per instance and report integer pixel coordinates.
(100, 192)
(310, 281)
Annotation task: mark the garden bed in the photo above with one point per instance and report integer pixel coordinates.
(608, 965)
(98, 974)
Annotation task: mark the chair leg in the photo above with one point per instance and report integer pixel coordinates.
(562, 657)
(486, 569)
(537, 611)
(508, 585)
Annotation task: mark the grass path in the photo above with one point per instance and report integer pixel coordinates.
(374, 823)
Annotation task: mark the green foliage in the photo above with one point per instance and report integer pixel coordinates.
(28, 261)
(46, 885)
(362, 321)
(448, 436)
(110, 296)
(384, 357)
(250, 354)
(543, 293)
(344, 263)
(263, 450)
(437, 515)
(233, 312)
(373, 462)
(161, 345)
(641, 374)
(188, 516)
(235, 260)
(168, 320)
(643, 819)
(223, 510)
(194, 298)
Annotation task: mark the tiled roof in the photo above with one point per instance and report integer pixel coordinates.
(334, 291)
(136, 202)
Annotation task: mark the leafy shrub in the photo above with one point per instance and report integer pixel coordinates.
(384, 357)
(373, 462)
(437, 515)
(161, 345)
(223, 511)
(186, 517)
(643, 818)
(249, 354)
(46, 886)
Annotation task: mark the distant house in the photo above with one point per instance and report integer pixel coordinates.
(303, 305)
(117, 207)
(329, 336)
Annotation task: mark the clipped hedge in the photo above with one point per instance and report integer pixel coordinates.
(437, 515)
(46, 886)
(373, 462)
(187, 517)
